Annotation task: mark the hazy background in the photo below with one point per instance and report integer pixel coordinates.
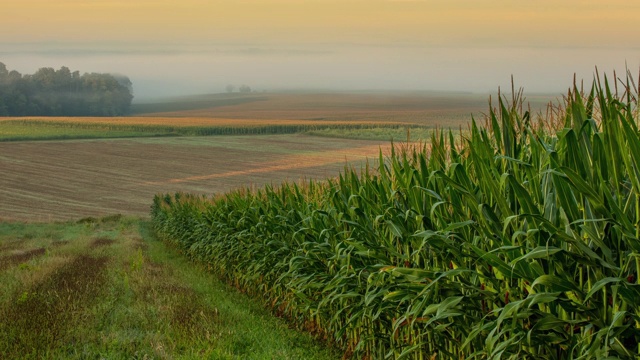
(195, 46)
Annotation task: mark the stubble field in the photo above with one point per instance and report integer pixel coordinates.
(444, 109)
(62, 180)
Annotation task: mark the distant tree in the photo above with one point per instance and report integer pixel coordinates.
(65, 93)
(3, 71)
(230, 88)
(4, 81)
(244, 89)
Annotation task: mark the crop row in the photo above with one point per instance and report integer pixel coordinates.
(47, 129)
(519, 240)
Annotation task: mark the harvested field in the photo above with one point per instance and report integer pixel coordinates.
(61, 180)
(443, 109)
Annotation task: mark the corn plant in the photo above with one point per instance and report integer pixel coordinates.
(518, 239)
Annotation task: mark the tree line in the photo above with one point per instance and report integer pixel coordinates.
(50, 92)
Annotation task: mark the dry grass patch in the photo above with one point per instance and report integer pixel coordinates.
(11, 245)
(20, 256)
(100, 242)
(114, 292)
(43, 316)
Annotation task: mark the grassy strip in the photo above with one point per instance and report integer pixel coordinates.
(523, 241)
(378, 133)
(106, 288)
(21, 130)
(26, 130)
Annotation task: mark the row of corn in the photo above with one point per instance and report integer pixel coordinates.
(520, 239)
(240, 129)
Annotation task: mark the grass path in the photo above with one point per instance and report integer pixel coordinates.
(108, 289)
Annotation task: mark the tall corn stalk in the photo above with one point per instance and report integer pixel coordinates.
(518, 240)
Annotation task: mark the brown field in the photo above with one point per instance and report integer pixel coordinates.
(429, 109)
(448, 110)
(442, 109)
(61, 180)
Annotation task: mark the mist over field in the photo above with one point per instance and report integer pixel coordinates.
(167, 70)
(195, 46)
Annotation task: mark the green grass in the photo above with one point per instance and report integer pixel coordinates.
(379, 133)
(28, 130)
(106, 288)
(25, 130)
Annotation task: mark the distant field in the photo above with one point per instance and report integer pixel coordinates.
(60, 180)
(194, 102)
(426, 108)
(20, 130)
(412, 134)
(186, 121)
(429, 109)
(63, 128)
(373, 116)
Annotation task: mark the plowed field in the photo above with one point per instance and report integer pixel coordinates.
(62, 180)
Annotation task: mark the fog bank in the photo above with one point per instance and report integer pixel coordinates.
(158, 71)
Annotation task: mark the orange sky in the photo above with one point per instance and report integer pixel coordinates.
(417, 22)
(310, 43)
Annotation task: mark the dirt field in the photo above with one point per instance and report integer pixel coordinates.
(441, 109)
(424, 109)
(61, 180)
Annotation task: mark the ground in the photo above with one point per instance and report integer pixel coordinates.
(107, 288)
(62, 180)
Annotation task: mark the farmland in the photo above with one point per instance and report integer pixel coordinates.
(95, 166)
(519, 240)
(342, 256)
(443, 109)
(374, 116)
(62, 180)
(69, 128)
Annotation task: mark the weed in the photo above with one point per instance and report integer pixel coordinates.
(20, 257)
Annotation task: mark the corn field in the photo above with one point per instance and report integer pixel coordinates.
(519, 239)
(42, 128)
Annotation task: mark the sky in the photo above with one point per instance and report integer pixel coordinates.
(179, 47)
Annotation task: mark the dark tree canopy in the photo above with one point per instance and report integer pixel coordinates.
(51, 92)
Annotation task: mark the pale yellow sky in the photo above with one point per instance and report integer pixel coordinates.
(312, 42)
(417, 22)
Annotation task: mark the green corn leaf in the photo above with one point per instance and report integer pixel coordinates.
(599, 285)
(537, 253)
(554, 283)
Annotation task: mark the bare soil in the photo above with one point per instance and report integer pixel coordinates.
(446, 109)
(66, 180)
